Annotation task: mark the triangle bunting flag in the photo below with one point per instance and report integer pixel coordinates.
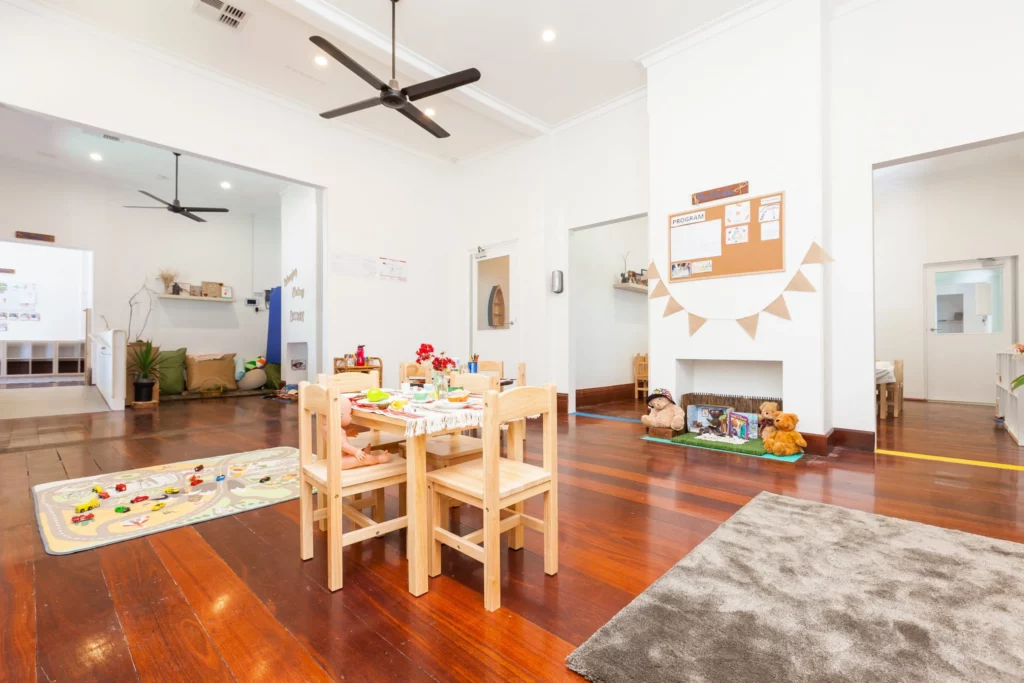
(659, 290)
(672, 308)
(696, 322)
(778, 308)
(652, 272)
(816, 255)
(749, 325)
(800, 283)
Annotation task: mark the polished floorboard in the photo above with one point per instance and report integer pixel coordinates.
(229, 599)
(953, 430)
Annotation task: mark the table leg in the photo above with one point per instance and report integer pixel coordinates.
(883, 403)
(516, 436)
(418, 534)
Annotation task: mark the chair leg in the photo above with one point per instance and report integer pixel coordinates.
(551, 532)
(305, 520)
(378, 506)
(321, 504)
(516, 535)
(492, 559)
(436, 506)
(401, 500)
(334, 542)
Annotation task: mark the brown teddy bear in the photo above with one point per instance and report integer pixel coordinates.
(766, 419)
(785, 440)
(664, 412)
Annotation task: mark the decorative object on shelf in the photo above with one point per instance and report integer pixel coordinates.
(624, 275)
(145, 362)
(227, 292)
(168, 277)
(360, 356)
(212, 289)
(749, 324)
(496, 307)
(195, 290)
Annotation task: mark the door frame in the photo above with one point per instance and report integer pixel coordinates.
(1011, 263)
(479, 253)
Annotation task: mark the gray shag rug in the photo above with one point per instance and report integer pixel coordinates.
(790, 590)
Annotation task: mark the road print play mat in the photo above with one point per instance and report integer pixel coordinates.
(248, 481)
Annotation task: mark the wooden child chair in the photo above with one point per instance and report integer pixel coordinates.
(407, 371)
(495, 366)
(347, 383)
(640, 384)
(499, 485)
(454, 449)
(326, 475)
(891, 393)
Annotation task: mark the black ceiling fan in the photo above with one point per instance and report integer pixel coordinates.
(176, 207)
(390, 95)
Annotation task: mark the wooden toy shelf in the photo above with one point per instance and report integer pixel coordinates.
(42, 358)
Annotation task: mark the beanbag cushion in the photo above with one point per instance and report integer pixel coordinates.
(254, 379)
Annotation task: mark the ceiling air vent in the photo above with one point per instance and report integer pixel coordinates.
(112, 138)
(221, 12)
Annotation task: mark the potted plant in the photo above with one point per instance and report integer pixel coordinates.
(145, 363)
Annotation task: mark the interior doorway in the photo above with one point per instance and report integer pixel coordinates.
(970, 317)
(608, 325)
(495, 297)
(947, 240)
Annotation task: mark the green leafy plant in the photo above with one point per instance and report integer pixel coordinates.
(1017, 383)
(145, 362)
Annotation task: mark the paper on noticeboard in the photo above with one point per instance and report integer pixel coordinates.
(696, 241)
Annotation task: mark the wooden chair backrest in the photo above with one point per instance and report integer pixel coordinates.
(517, 404)
(640, 366)
(322, 405)
(348, 382)
(521, 375)
(409, 370)
(897, 370)
(474, 383)
(497, 366)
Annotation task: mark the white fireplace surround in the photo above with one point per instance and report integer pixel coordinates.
(730, 377)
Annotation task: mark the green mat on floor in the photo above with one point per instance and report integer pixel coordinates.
(753, 448)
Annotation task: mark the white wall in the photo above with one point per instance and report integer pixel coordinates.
(908, 77)
(131, 246)
(300, 224)
(535, 193)
(708, 128)
(609, 326)
(62, 279)
(380, 200)
(935, 217)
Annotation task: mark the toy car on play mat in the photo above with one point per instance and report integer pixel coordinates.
(120, 488)
(158, 506)
(103, 495)
(122, 509)
(97, 489)
(172, 490)
(88, 505)
(139, 499)
(81, 518)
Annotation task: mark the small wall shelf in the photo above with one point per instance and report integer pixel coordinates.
(630, 287)
(208, 299)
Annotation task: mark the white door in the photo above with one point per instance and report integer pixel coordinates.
(495, 295)
(969, 312)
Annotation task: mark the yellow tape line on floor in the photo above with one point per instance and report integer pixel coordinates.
(958, 461)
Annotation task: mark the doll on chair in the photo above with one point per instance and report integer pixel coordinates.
(352, 457)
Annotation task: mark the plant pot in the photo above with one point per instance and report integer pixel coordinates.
(144, 390)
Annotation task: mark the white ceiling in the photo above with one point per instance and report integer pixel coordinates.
(528, 86)
(49, 144)
(1002, 154)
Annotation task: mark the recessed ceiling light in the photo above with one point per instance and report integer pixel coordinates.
(320, 60)
(226, 185)
(429, 112)
(548, 35)
(96, 156)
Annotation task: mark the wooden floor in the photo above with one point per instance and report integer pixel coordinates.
(229, 599)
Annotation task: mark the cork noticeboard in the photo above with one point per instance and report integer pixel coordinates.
(738, 237)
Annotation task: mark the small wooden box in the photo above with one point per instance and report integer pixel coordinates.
(663, 432)
(212, 289)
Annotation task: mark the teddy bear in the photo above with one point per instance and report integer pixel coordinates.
(766, 419)
(785, 440)
(664, 411)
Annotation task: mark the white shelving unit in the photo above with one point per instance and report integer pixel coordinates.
(1008, 405)
(41, 358)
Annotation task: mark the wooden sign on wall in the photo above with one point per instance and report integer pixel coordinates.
(734, 190)
(37, 236)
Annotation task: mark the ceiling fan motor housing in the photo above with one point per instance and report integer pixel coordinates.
(391, 97)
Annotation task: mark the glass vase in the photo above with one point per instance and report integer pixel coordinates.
(441, 384)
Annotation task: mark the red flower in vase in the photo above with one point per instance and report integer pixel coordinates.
(442, 363)
(424, 353)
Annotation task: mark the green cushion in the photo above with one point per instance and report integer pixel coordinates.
(273, 371)
(172, 371)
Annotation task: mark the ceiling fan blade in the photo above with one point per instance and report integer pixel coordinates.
(193, 216)
(358, 106)
(196, 209)
(153, 196)
(439, 85)
(353, 66)
(162, 208)
(410, 112)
